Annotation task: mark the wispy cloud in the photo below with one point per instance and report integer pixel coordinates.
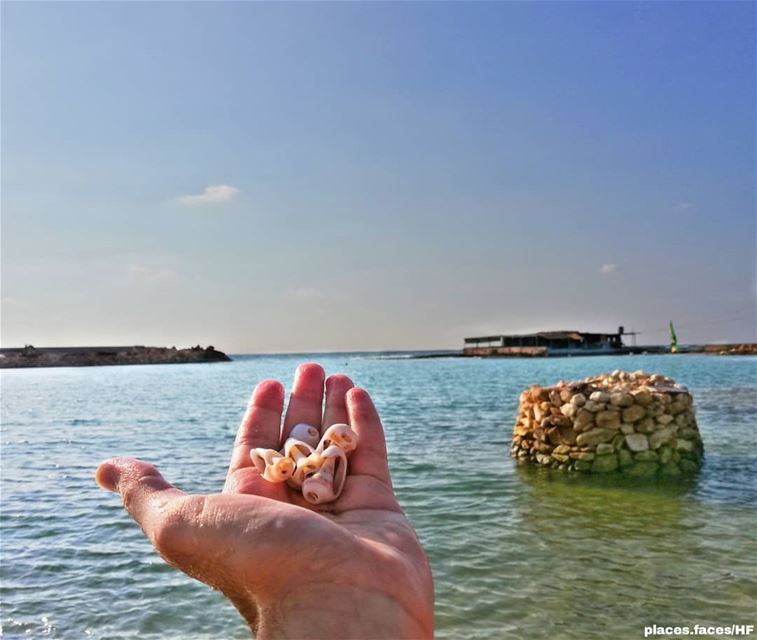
(683, 206)
(608, 268)
(144, 272)
(212, 194)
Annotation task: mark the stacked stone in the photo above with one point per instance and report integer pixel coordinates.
(635, 423)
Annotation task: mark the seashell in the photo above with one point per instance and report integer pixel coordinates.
(306, 466)
(327, 483)
(296, 449)
(311, 464)
(298, 477)
(305, 433)
(271, 465)
(341, 435)
(298, 452)
(318, 490)
(338, 467)
(316, 468)
(258, 459)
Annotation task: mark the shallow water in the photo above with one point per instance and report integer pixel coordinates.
(516, 552)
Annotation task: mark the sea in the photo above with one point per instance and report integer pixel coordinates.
(516, 552)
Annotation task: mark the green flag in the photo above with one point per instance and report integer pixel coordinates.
(673, 339)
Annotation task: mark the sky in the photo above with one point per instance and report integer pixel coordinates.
(293, 177)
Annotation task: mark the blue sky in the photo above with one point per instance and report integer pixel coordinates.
(336, 176)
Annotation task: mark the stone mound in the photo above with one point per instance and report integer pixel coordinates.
(637, 424)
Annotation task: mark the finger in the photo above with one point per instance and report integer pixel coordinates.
(306, 401)
(336, 408)
(370, 456)
(145, 493)
(260, 425)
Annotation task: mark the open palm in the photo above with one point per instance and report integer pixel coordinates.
(348, 569)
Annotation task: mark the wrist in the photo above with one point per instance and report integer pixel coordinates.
(333, 611)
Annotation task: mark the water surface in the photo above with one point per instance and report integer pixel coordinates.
(516, 552)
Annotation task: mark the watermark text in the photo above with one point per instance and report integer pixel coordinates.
(654, 630)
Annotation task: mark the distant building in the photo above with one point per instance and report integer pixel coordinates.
(545, 343)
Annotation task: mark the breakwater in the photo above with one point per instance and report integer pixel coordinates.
(739, 349)
(635, 423)
(30, 356)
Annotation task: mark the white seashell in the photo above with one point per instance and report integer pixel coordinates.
(296, 449)
(258, 459)
(306, 467)
(341, 435)
(271, 465)
(318, 490)
(296, 480)
(311, 464)
(337, 468)
(305, 433)
(327, 483)
(280, 471)
(317, 468)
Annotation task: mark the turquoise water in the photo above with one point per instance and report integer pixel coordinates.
(516, 552)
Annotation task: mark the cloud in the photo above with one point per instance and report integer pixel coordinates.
(683, 206)
(213, 194)
(608, 268)
(150, 273)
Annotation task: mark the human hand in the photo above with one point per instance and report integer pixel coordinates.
(349, 569)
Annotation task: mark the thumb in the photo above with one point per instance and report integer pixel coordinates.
(146, 495)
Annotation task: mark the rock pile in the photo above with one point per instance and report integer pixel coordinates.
(635, 423)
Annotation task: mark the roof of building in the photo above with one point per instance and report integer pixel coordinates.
(549, 335)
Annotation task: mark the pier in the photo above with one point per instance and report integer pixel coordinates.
(545, 344)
